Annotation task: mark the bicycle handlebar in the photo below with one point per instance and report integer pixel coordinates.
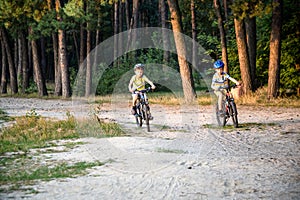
(227, 87)
(143, 91)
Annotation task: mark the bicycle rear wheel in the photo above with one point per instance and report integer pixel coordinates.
(234, 114)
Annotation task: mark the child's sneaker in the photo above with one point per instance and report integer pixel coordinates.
(150, 117)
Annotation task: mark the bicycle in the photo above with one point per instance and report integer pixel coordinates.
(142, 108)
(229, 109)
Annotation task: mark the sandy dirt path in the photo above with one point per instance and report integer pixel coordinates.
(183, 157)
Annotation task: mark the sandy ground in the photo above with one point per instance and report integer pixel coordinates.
(183, 157)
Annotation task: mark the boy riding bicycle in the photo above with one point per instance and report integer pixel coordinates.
(219, 82)
(137, 83)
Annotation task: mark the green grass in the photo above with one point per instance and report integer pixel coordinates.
(4, 116)
(34, 131)
(61, 170)
(21, 170)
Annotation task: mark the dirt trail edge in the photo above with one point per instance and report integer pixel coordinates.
(183, 157)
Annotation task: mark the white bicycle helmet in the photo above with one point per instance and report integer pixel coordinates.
(139, 66)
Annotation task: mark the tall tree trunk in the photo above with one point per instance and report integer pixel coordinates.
(57, 71)
(43, 57)
(243, 55)
(194, 33)
(88, 80)
(62, 52)
(166, 41)
(16, 57)
(116, 28)
(82, 51)
(127, 11)
(12, 69)
(121, 22)
(97, 41)
(63, 63)
(133, 23)
(38, 73)
(222, 34)
(20, 59)
(225, 10)
(185, 72)
(4, 69)
(25, 64)
(275, 46)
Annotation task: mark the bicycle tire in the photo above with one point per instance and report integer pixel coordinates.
(221, 119)
(234, 114)
(138, 117)
(146, 112)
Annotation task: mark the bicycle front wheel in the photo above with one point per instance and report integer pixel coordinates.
(233, 114)
(138, 117)
(221, 119)
(146, 112)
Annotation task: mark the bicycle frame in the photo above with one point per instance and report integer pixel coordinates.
(142, 107)
(229, 109)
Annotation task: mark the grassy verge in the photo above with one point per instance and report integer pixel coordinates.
(20, 168)
(34, 131)
(4, 117)
(18, 172)
(259, 98)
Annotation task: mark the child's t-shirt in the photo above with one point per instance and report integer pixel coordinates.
(219, 80)
(139, 83)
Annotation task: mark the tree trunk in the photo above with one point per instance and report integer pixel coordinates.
(38, 73)
(133, 23)
(225, 10)
(4, 69)
(19, 65)
(57, 71)
(250, 24)
(62, 54)
(222, 35)
(166, 41)
(116, 28)
(43, 58)
(185, 72)
(25, 64)
(243, 55)
(88, 80)
(275, 46)
(12, 69)
(194, 34)
(82, 51)
(128, 17)
(121, 22)
(63, 63)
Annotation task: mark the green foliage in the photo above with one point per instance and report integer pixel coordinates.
(4, 116)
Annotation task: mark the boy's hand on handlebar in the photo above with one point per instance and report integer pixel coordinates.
(153, 87)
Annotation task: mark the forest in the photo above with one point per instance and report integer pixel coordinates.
(45, 43)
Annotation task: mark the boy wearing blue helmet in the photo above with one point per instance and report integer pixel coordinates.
(218, 82)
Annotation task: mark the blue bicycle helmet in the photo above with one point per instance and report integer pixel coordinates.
(218, 64)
